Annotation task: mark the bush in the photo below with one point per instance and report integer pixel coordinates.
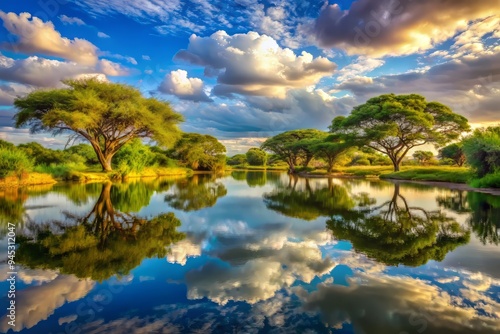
(14, 161)
(482, 150)
(134, 156)
(488, 181)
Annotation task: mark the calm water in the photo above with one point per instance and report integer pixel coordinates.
(253, 253)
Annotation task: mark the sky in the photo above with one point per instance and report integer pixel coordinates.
(245, 70)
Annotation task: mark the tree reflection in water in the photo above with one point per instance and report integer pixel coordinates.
(195, 193)
(483, 209)
(398, 233)
(395, 232)
(103, 243)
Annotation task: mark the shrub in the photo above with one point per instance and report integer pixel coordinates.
(133, 157)
(14, 161)
(488, 181)
(482, 150)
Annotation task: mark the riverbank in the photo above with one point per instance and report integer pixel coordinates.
(86, 176)
(27, 179)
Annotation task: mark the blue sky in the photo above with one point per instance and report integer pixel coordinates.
(247, 69)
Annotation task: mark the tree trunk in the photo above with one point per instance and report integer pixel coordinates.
(106, 166)
(395, 163)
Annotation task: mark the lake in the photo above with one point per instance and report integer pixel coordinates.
(252, 252)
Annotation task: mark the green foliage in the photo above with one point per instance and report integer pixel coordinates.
(441, 174)
(134, 156)
(393, 124)
(488, 181)
(423, 157)
(238, 159)
(107, 115)
(330, 149)
(6, 145)
(256, 157)
(482, 150)
(454, 152)
(200, 152)
(293, 147)
(86, 152)
(42, 155)
(14, 161)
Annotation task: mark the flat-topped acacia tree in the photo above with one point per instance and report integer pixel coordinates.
(394, 124)
(107, 115)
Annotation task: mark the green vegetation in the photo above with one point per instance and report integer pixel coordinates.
(198, 151)
(107, 115)
(394, 124)
(441, 173)
(454, 152)
(423, 157)
(482, 151)
(256, 157)
(13, 161)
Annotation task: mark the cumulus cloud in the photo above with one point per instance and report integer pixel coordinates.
(177, 83)
(71, 20)
(110, 68)
(386, 304)
(401, 27)
(42, 72)
(471, 86)
(260, 278)
(258, 116)
(253, 64)
(36, 36)
(37, 303)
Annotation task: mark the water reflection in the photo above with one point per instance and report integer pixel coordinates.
(257, 253)
(100, 244)
(483, 209)
(196, 192)
(398, 232)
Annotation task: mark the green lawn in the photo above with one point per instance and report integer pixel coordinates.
(435, 173)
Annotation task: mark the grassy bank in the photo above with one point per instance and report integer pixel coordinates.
(263, 168)
(93, 175)
(26, 179)
(431, 173)
(52, 174)
(440, 174)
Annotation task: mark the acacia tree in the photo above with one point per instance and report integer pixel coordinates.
(453, 152)
(107, 115)
(288, 146)
(200, 152)
(423, 157)
(394, 124)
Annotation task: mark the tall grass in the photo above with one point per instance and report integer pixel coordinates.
(488, 181)
(14, 162)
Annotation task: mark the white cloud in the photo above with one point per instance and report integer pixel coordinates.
(112, 69)
(146, 57)
(36, 36)
(37, 303)
(71, 20)
(253, 64)
(177, 83)
(362, 65)
(100, 34)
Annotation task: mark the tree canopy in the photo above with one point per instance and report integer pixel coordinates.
(200, 152)
(482, 150)
(394, 124)
(256, 157)
(454, 152)
(289, 146)
(107, 115)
